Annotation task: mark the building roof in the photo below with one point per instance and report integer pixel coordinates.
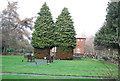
(80, 38)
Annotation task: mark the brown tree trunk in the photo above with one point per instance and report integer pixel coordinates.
(4, 51)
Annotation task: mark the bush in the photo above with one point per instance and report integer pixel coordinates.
(105, 58)
(10, 50)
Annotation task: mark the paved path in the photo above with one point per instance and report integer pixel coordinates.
(52, 75)
(37, 63)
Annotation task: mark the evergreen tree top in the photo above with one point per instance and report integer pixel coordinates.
(108, 34)
(44, 8)
(65, 33)
(42, 37)
(65, 12)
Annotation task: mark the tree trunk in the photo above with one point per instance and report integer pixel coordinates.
(4, 49)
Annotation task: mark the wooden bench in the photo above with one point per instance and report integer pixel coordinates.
(30, 58)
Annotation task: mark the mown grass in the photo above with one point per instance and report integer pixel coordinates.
(37, 77)
(84, 67)
(46, 78)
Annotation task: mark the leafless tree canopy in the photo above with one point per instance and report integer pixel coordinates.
(13, 28)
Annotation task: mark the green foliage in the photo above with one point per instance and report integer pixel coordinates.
(64, 31)
(10, 50)
(108, 34)
(48, 35)
(43, 36)
(105, 58)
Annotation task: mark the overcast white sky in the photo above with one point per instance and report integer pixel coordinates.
(88, 15)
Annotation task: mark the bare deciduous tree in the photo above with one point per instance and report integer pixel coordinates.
(12, 27)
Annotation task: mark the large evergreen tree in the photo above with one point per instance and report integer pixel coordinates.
(108, 35)
(42, 37)
(65, 33)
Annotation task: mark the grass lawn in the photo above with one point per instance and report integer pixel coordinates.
(84, 67)
(37, 77)
(44, 78)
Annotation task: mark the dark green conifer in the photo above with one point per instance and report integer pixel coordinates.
(42, 37)
(64, 35)
(65, 32)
